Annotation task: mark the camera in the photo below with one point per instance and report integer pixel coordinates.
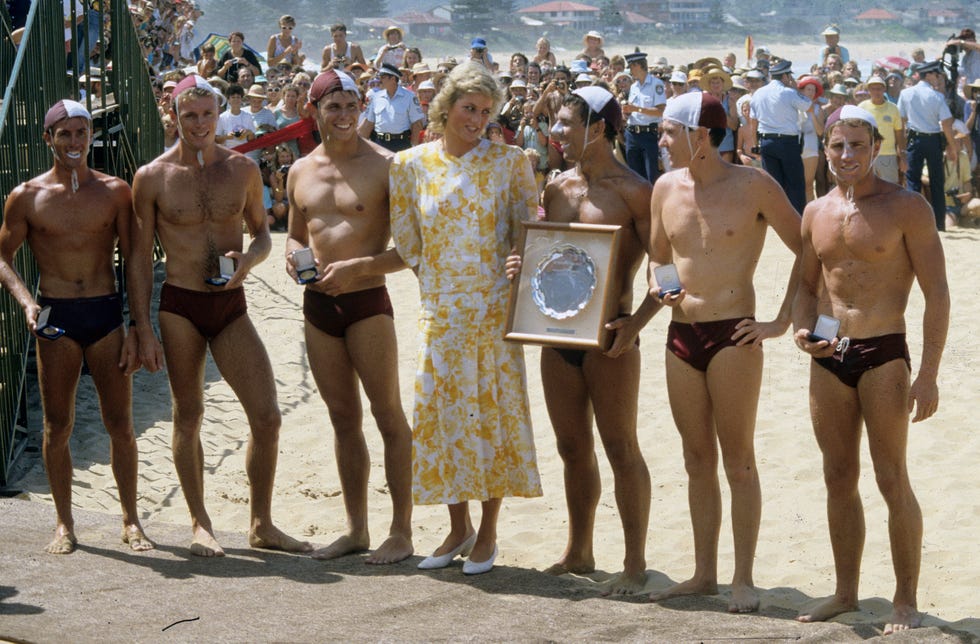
(284, 169)
(951, 49)
(755, 149)
(562, 85)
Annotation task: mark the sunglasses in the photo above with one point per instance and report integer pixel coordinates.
(303, 84)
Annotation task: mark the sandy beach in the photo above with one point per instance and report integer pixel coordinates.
(794, 564)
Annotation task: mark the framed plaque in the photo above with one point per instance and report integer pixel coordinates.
(567, 289)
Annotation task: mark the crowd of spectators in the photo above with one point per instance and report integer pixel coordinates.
(274, 92)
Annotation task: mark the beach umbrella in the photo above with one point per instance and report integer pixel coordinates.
(221, 45)
(893, 62)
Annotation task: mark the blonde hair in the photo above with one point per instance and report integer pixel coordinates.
(192, 93)
(468, 78)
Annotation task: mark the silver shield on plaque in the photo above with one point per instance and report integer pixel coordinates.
(563, 281)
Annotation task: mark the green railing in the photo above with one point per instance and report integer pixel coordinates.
(127, 134)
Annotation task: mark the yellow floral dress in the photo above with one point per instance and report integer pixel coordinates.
(454, 221)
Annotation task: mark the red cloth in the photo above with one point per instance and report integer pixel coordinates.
(301, 130)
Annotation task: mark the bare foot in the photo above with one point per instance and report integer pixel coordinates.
(625, 584)
(689, 587)
(826, 609)
(745, 599)
(64, 542)
(272, 538)
(133, 535)
(345, 545)
(568, 564)
(205, 545)
(394, 549)
(903, 618)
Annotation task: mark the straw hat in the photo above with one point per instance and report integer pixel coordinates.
(593, 34)
(717, 72)
(621, 75)
(701, 63)
(256, 91)
(401, 34)
(739, 83)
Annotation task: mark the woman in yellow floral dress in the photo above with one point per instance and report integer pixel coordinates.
(456, 207)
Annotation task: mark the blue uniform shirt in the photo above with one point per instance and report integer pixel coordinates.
(395, 114)
(649, 93)
(777, 108)
(923, 108)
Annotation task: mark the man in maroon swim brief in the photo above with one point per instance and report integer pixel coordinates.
(696, 343)
(209, 311)
(334, 314)
(864, 355)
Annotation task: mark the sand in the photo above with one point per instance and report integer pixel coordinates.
(794, 564)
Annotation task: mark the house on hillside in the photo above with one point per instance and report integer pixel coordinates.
(424, 23)
(873, 17)
(633, 21)
(680, 15)
(944, 16)
(413, 23)
(562, 13)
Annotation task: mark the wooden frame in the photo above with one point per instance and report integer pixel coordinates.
(580, 260)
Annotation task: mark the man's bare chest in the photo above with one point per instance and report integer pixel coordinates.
(201, 197)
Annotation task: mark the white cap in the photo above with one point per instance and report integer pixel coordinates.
(852, 112)
(65, 109)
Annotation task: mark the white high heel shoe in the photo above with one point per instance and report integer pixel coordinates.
(471, 567)
(434, 562)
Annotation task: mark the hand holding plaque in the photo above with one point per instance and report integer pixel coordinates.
(565, 292)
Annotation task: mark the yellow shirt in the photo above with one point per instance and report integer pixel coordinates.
(889, 121)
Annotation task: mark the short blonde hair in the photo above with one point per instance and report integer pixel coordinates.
(468, 78)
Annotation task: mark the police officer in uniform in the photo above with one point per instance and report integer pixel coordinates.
(643, 108)
(927, 120)
(394, 116)
(775, 110)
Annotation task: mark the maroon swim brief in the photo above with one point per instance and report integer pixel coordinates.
(333, 315)
(209, 311)
(696, 343)
(864, 355)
